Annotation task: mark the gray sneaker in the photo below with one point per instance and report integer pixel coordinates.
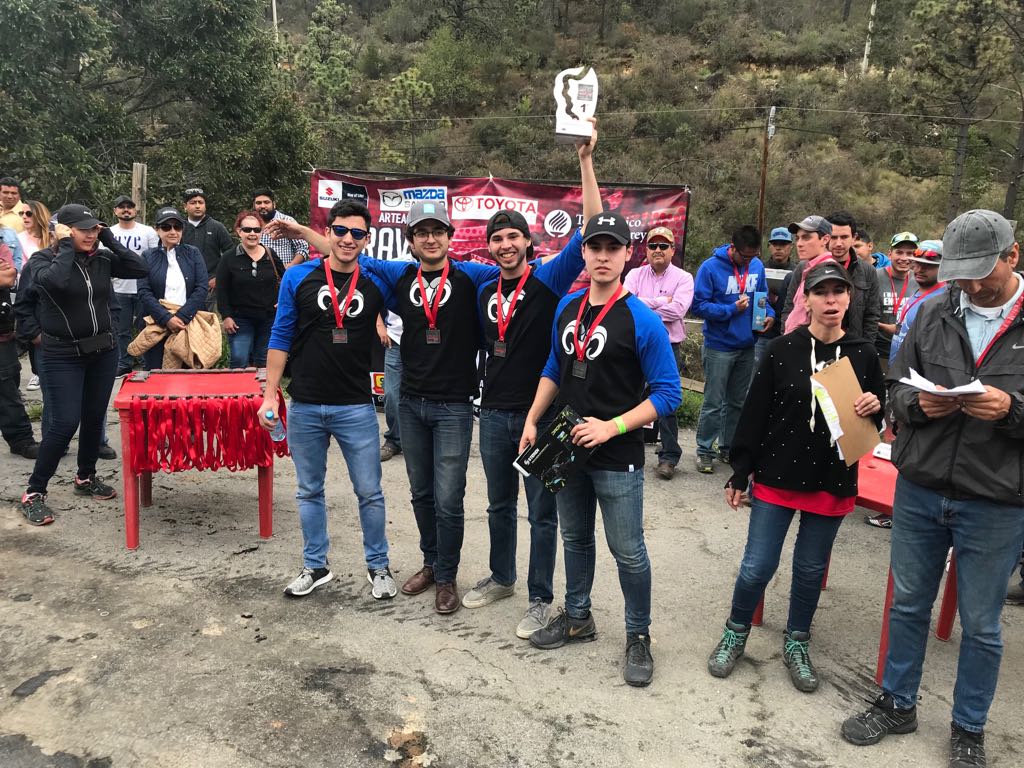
(705, 464)
(797, 657)
(729, 649)
(486, 592)
(383, 583)
(537, 617)
(307, 581)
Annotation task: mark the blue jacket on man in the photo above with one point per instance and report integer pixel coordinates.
(151, 289)
(715, 293)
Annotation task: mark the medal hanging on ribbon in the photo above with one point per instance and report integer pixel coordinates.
(501, 346)
(430, 308)
(339, 334)
(579, 365)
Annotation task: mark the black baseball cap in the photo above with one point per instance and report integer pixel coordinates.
(77, 216)
(827, 270)
(507, 220)
(123, 200)
(169, 214)
(607, 223)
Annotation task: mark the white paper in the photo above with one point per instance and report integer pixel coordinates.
(828, 409)
(920, 382)
(883, 451)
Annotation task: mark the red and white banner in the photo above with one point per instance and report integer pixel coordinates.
(553, 211)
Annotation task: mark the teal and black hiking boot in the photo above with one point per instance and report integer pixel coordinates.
(797, 656)
(729, 649)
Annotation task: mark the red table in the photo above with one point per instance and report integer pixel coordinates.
(876, 489)
(193, 419)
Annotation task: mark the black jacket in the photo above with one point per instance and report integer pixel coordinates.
(959, 456)
(773, 439)
(74, 290)
(211, 238)
(865, 310)
(239, 292)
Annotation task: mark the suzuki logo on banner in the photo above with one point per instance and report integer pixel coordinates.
(402, 199)
(482, 207)
(328, 192)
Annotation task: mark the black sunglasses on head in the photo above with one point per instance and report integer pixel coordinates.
(357, 234)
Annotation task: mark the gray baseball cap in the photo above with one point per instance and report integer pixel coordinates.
(814, 223)
(973, 243)
(428, 211)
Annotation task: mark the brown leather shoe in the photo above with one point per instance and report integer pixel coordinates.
(419, 581)
(446, 599)
(665, 470)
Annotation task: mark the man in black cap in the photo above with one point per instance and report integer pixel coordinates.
(208, 235)
(517, 309)
(139, 238)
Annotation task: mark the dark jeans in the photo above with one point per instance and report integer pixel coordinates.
(621, 495)
(435, 441)
(250, 341)
(47, 418)
(500, 432)
(78, 393)
(127, 325)
(668, 426)
(766, 534)
(726, 381)
(14, 423)
(392, 393)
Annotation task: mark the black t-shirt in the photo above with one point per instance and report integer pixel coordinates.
(324, 372)
(446, 371)
(511, 381)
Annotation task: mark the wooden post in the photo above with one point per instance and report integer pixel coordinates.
(769, 131)
(139, 189)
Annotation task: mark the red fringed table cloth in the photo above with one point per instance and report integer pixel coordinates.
(193, 419)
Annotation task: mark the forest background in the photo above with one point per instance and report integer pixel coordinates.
(210, 93)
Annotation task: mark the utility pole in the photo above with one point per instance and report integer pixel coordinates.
(273, 11)
(139, 189)
(867, 42)
(769, 132)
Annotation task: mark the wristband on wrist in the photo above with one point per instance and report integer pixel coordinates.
(620, 424)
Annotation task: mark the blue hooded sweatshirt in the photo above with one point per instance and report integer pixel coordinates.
(715, 293)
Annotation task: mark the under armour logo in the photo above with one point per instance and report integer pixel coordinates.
(609, 220)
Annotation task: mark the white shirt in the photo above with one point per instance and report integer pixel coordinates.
(174, 288)
(138, 238)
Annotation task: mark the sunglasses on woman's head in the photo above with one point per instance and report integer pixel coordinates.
(357, 234)
(251, 230)
(170, 226)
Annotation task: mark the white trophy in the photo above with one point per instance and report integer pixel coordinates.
(576, 97)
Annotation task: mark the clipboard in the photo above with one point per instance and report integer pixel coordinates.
(860, 436)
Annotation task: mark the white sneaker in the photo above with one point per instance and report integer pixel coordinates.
(383, 583)
(33, 383)
(307, 581)
(538, 615)
(485, 592)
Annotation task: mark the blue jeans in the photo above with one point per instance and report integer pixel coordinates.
(986, 539)
(726, 380)
(500, 432)
(250, 341)
(435, 441)
(46, 419)
(760, 348)
(621, 495)
(127, 322)
(392, 393)
(766, 534)
(77, 395)
(354, 428)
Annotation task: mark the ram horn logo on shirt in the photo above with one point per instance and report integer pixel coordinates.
(492, 305)
(594, 348)
(355, 307)
(417, 301)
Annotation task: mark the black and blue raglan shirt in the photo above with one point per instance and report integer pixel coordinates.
(444, 372)
(325, 373)
(511, 381)
(629, 351)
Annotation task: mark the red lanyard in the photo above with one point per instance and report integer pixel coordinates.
(581, 348)
(892, 284)
(504, 321)
(1010, 317)
(903, 315)
(430, 307)
(339, 314)
(741, 283)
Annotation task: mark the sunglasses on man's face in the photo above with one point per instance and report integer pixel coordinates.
(658, 246)
(175, 226)
(357, 234)
(251, 230)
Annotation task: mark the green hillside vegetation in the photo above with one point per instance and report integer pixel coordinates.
(203, 92)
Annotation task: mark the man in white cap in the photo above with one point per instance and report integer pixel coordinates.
(959, 485)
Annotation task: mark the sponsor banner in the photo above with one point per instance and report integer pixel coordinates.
(553, 211)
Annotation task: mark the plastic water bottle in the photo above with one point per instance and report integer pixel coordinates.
(278, 433)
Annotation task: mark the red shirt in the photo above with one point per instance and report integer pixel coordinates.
(816, 502)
